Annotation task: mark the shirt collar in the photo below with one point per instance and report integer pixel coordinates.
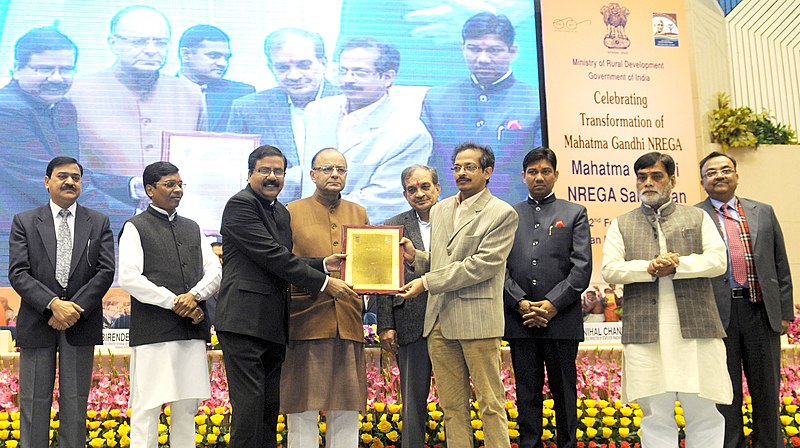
(470, 200)
(318, 96)
(545, 200)
(492, 84)
(56, 209)
(717, 204)
(164, 212)
(364, 112)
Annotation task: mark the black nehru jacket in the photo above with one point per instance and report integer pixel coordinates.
(172, 259)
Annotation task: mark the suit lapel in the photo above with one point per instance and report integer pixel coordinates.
(412, 231)
(752, 214)
(47, 232)
(83, 228)
(365, 129)
(471, 213)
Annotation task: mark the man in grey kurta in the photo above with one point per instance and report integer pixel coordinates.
(665, 254)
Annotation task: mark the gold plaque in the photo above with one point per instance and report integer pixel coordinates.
(374, 263)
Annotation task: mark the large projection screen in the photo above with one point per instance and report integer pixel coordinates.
(427, 34)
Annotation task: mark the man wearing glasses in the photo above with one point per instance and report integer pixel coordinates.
(123, 110)
(37, 123)
(324, 367)
(754, 298)
(368, 127)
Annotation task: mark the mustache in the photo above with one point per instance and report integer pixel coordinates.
(348, 87)
(54, 86)
(269, 183)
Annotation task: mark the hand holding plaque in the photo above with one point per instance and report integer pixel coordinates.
(374, 263)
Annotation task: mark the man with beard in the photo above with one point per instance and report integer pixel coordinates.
(324, 367)
(400, 321)
(169, 273)
(754, 299)
(367, 127)
(205, 53)
(665, 254)
(253, 307)
(297, 60)
(123, 110)
(37, 123)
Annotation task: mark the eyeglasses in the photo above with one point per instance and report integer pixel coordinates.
(172, 184)
(142, 42)
(710, 174)
(468, 168)
(328, 169)
(48, 70)
(264, 171)
(358, 73)
(491, 51)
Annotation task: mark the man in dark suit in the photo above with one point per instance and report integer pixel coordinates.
(36, 124)
(754, 298)
(400, 321)
(253, 307)
(550, 264)
(205, 53)
(297, 61)
(61, 265)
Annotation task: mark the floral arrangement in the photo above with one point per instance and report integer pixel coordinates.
(604, 421)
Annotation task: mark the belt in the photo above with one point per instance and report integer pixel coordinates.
(740, 293)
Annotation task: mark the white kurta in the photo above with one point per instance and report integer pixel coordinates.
(673, 364)
(166, 371)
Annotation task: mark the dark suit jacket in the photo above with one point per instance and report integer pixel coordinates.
(771, 263)
(258, 268)
(32, 273)
(407, 317)
(551, 259)
(219, 98)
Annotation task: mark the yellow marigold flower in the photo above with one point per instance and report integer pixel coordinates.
(513, 413)
(578, 433)
(128, 412)
(432, 424)
(91, 414)
(214, 341)
(15, 416)
(15, 424)
(219, 410)
(680, 420)
(608, 410)
(394, 408)
(4, 415)
(591, 412)
(509, 404)
(547, 412)
(625, 421)
(114, 413)
(786, 400)
(5, 424)
(588, 421)
(200, 419)
(383, 418)
(217, 419)
(393, 436)
(747, 431)
(473, 415)
(162, 439)
(602, 404)
(280, 427)
(104, 414)
(513, 434)
(791, 409)
(124, 429)
(198, 438)
(366, 438)
(431, 407)
(579, 403)
(607, 432)
(547, 434)
(110, 434)
(580, 413)
(638, 412)
(108, 424)
(168, 411)
(97, 443)
(477, 424)
(591, 433)
(436, 415)
(370, 417)
(51, 433)
(212, 438)
(55, 424)
(623, 432)
(637, 421)
(609, 421)
(215, 430)
(545, 422)
(797, 418)
(202, 430)
(162, 428)
(786, 420)
(479, 435)
(169, 421)
(111, 443)
(548, 404)
(617, 404)
(380, 407)
(323, 427)
(512, 425)
(125, 441)
(207, 411)
(589, 403)
(4, 434)
(376, 443)
(626, 411)
(678, 410)
(395, 418)
(368, 426)
(94, 424)
(384, 427)
(791, 431)
(12, 444)
(228, 438)
(745, 420)
(440, 435)
(475, 405)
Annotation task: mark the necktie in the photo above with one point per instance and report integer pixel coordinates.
(735, 247)
(63, 248)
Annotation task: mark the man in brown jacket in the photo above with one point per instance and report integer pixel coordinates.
(324, 368)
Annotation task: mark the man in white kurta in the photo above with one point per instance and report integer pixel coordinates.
(664, 253)
(169, 271)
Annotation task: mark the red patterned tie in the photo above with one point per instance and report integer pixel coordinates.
(735, 247)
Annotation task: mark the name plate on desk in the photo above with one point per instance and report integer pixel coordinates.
(602, 332)
(113, 338)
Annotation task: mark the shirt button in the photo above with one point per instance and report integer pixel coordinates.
(483, 98)
(479, 123)
(535, 262)
(335, 243)
(145, 121)
(538, 209)
(533, 282)
(333, 226)
(535, 243)
(536, 226)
